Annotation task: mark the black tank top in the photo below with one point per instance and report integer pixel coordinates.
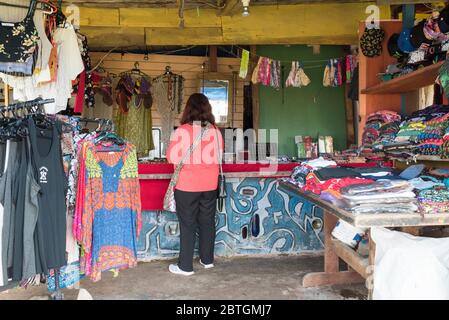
(50, 233)
(18, 40)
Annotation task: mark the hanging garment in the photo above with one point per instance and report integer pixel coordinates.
(18, 40)
(44, 45)
(48, 169)
(301, 79)
(31, 212)
(244, 64)
(69, 66)
(89, 94)
(264, 75)
(111, 220)
(165, 110)
(304, 79)
(134, 120)
(255, 75)
(79, 102)
(327, 75)
(351, 65)
(275, 81)
(7, 183)
(290, 82)
(138, 128)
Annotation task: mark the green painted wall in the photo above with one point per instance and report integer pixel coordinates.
(310, 110)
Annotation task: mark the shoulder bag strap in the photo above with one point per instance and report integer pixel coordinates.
(218, 151)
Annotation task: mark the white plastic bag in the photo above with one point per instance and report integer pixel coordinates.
(347, 233)
(409, 267)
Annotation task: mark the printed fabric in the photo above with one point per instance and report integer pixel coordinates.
(111, 219)
(18, 41)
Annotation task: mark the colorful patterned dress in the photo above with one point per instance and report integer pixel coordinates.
(111, 220)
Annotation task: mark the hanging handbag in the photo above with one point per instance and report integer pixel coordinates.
(221, 177)
(169, 198)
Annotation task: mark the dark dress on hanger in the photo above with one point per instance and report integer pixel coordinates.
(50, 233)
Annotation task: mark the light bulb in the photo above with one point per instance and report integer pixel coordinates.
(245, 4)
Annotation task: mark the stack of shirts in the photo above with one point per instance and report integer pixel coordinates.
(435, 200)
(332, 179)
(387, 135)
(395, 196)
(300, 172)
(409, 130)
(431, 140)
(374, 122)
(431, 112)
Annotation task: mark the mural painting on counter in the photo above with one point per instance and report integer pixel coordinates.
(256, 218)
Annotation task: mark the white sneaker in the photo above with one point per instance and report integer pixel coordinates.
(207, 266)
(173, 268)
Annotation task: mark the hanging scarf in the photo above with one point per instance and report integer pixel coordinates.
(244, 64)
(255, 76)
(290, 82)
(327, 75)
(304, 80)
(264, 72)
(275, 74)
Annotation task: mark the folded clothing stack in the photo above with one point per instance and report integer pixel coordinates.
(375, 173)
(387, 135)
(431, 112)
(374, 123)
(332, 179)
(381, 196)
(434, 200)
(409, 130)
(299, 174)
(431, 139)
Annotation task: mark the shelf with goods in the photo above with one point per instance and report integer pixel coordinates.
(399, 94)
(415, 80)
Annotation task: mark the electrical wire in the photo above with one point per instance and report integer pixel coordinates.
(284, 61)
(116, 48)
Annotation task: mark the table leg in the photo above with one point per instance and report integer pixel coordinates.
(371, 263)
(331, 274)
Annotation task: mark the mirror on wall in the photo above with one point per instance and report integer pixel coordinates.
(219, 89)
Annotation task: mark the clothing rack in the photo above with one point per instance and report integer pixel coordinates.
(11, 5)
(26, 104)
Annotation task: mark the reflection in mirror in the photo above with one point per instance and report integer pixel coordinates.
(218, 91)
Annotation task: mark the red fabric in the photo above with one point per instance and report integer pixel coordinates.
(79, 103)
(152, 191)
(313, 184)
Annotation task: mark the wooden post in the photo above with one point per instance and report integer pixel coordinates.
(371, 263)
(330, 258)
(331, 274)
(255, 91)
(213, 61)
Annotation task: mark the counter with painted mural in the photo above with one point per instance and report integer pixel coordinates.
(256, 217)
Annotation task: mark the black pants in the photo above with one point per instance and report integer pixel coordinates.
(196, 210)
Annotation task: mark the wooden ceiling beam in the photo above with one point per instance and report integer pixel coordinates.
(294, 24)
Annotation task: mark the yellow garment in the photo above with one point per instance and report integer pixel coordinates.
(244, 64)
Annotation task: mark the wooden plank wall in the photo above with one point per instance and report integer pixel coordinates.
(189, 67)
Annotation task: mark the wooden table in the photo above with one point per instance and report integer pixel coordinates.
(360, 269)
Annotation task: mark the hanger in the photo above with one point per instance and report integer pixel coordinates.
(135, 70)
(167, 72)
(46, 3)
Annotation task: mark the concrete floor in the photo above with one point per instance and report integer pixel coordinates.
(232, 278)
